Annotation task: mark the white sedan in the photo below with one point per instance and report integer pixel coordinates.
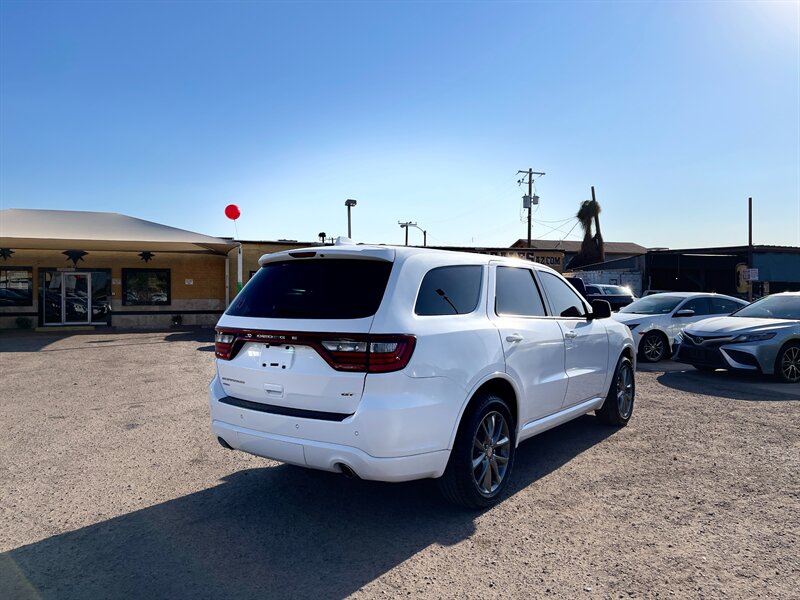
(655, 320)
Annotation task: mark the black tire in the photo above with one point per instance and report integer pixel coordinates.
(653, 347)
(465, 481)
(787, 364)
(704, 368)
(618, 407)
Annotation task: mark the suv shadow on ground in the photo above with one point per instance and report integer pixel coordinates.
(275, 532)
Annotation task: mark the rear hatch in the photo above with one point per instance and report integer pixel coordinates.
(297, 336)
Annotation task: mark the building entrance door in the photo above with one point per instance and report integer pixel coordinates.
(67, 298)
(77, 301)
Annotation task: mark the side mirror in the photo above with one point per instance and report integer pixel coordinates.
(685, 312)
(601, 309)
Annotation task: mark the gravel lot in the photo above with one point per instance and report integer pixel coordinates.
(112, 486)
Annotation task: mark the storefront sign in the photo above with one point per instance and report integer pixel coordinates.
(554, 260)
(751, 274)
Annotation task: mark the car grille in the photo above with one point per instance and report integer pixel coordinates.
(707, 354)
(707, 341)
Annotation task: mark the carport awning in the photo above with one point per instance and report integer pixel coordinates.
(66, 230)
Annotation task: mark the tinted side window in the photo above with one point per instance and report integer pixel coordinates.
(590, 289)
(700, 306)
(565, 302)
(450, 290)
(723, 306)
(517, 293)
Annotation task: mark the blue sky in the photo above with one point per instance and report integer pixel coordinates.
(422, 111)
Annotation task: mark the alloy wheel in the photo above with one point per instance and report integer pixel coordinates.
(653, 347)
(491, 448)
(625, 390)
(790, 364)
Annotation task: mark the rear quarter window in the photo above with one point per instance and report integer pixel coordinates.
(724, 306)
(452, 290)
(330, 288)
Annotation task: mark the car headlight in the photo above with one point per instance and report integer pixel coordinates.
(754, 337)
(679, 338)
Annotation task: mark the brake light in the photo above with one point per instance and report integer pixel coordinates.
(390, 353)
(223, 343)
(372, 354)
(343, 352)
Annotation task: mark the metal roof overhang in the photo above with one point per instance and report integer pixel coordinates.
(118, 245)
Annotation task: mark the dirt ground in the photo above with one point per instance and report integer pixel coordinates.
(112, 486)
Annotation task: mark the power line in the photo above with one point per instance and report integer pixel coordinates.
(566, 236)
(558, 228)
(556, 221)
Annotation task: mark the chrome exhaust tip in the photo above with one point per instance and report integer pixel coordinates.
(347, 471)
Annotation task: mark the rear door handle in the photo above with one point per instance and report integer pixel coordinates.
(514, 337)
(570, 334)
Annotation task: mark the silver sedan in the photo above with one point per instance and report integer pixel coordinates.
(763, 337)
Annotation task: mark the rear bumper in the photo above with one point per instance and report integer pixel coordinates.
(400, 431)
(330, 457)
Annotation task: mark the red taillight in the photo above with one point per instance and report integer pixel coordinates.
(223, 343)
(371, 353)
(390, 353)
(343, 352)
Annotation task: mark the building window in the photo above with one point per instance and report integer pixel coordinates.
(146, 287)
(16, 286)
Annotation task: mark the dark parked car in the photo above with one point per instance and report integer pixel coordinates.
(616, 295)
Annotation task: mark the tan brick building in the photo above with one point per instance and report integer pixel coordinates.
(73, 268)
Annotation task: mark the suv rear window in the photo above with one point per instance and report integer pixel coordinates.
(450, 290)
(330, 288)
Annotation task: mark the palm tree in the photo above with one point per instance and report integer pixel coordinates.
(592, 248)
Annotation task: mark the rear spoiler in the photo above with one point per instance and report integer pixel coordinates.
(323, 252)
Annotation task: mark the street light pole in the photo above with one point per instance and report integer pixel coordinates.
(405, 225)
(349, 203)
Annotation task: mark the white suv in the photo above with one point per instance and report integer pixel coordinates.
(395, 364)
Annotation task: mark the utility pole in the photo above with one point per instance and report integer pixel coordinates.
(530, 173)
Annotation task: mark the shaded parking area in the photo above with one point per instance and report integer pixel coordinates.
(113, 487)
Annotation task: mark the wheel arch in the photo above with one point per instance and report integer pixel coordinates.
(497, 383)
(629, 353)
